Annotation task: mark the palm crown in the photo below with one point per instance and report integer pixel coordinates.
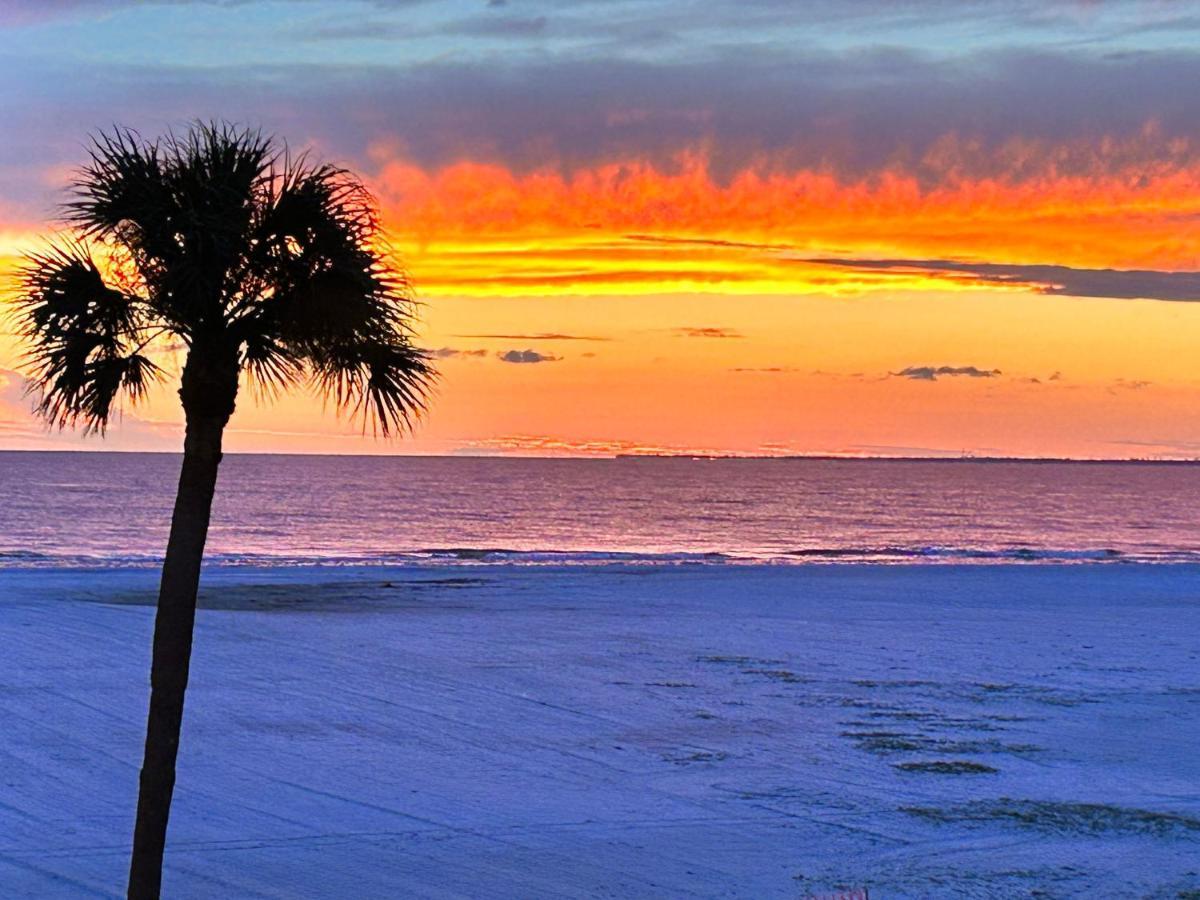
(254, 260)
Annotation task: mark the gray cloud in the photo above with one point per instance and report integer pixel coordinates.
(1126, 284)
(869, 16)
(497, 26)
(855, 112)
(514, 28)
(707, 332)
(1048, 379)
(851, 113)
(877, 12)
(933, 373)
(526, 356)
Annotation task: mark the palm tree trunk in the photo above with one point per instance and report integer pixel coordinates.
(173, 648)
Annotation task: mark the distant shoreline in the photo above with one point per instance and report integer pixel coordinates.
(921, 459)
(626, 457)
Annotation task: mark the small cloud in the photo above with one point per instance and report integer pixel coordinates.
(1163, 447)
(707, 242)
(917, 451)
(537, 336)
(498, 26)
(1128, 385)
(766, 369)
(1041, 379)
(452, 352)
(853, 376)
(933, 373)
(362, 29)
(14, 389)
(707, 333)
(526, 356)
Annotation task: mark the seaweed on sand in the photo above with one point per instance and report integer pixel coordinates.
(946, 767)
(1063, 818)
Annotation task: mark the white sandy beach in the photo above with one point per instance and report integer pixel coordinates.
(707, 731)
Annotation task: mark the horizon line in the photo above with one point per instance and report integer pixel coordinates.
(625, 457)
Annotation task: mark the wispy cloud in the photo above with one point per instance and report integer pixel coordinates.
(13, 390)
(1124, 284)
(710, 332)
(497, 26)
(526, 356)
(1128, 384)
(452, 352)
(916, 450)
(933, 373)
(766, 370)
(129, 429)
(539, 336)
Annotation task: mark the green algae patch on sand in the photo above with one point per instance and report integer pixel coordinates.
(883, 743)
(307, 597)
(946, 767)
(1063, 818)
(785, 675)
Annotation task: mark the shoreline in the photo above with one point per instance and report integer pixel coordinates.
(19, 561)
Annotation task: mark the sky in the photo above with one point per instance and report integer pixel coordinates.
(886, 227)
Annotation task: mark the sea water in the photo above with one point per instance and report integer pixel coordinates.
(114, 509)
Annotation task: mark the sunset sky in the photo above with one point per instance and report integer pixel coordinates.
(741, 226)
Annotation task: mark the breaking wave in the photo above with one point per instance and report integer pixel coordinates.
(493, 556)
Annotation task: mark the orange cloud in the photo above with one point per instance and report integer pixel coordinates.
(634, 227)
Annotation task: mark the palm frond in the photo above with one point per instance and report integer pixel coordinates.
(386, 383)
(122, 193)
(84, 337)
(337, 307)
(271, 365)
(180, 206)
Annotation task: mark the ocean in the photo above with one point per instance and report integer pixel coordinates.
(113, 509)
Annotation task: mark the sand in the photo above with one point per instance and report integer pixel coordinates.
(608, 731)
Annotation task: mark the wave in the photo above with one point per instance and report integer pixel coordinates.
(1012, 554)
(498, 554)
(507, 556)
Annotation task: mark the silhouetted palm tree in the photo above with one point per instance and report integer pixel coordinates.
(255, 263)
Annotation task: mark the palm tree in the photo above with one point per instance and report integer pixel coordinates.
(258, 265)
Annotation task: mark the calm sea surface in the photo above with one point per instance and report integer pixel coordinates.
(78, 509)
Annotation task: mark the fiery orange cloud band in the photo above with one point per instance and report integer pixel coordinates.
(634, 227)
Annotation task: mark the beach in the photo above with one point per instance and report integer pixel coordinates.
(610, 730)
